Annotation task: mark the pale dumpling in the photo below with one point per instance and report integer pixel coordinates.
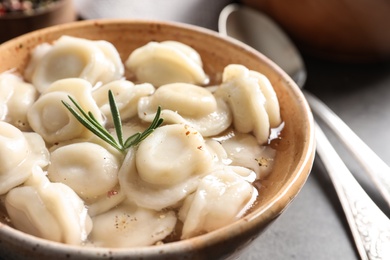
(20, 153)
(72, 57)
(5, 95)
(184, 103)
(106, 201)
(127, 95)
(172, 154)
(221, 198)
(243, 150)
(48, 210)
(88, 168)
(166, 62)
(51, 119)
(271, 100)
(166, 167)
(35, 56)
(130, 226)
(16, 98)
(251, 110)
(115, 68)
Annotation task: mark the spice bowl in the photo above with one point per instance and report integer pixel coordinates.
(295, 147)
(14, 24)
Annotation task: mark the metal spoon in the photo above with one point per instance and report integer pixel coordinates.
(370, 227)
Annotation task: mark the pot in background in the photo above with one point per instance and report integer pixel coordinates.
(343, 30)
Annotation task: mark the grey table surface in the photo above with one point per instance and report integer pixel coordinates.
(314, 225)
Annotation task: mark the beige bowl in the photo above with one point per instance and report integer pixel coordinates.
(295, 150)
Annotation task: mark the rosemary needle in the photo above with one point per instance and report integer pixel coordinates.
(92, 124)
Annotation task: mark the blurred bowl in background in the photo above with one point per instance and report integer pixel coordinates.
(343, 30)
(18, 23)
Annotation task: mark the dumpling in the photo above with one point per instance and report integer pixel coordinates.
(171, 155)
(221, 198)
(130, 226)
(5, 95)
(243, 150)
(20, 153)
(126, 96)
(52, 120)
(224, 161)
(16, 98)
(184, 103)
(105, 202)
(131, 127)
(48, 210)
(166, 167)
(167, 62)
(244, 94)
(115, 68)
(35, 56)
(88, 168)
(271, 100)
(72, 57)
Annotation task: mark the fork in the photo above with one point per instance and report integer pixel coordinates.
(376, 168)
(370, 227)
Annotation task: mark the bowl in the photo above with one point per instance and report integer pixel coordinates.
(293, 161)
(16, 24)
(347, 31)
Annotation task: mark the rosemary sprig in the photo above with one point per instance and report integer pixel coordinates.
(90, 122)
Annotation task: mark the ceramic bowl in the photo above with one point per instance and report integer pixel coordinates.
(293, 162)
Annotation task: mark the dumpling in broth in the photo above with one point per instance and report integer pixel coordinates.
(166, 62)
(89, 169)
(221, 198)
(20, 153)
(185, 103)
(127, 95)
(48, 210)
(72, 57)
(252, 100)
(129, 226)
(165, 168)
(16, 98)
(52, 120)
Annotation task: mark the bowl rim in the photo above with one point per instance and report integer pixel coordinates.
(266, 213)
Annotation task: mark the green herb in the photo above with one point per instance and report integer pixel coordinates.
(90, 122)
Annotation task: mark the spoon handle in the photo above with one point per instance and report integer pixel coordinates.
(370, 227)
(377, 169)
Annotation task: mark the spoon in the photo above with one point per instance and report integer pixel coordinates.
(370, 227)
